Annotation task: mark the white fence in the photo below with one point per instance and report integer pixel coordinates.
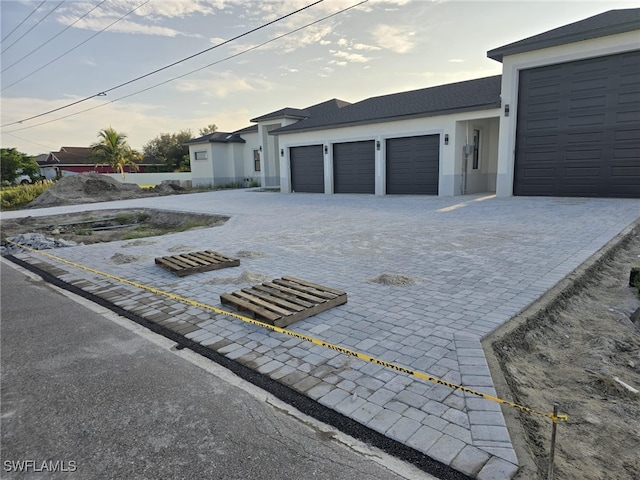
(153, 178)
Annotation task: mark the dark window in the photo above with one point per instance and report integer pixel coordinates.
(476, 149)
(256, 160)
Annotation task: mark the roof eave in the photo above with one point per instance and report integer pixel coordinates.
(438, 113)
(523, 46)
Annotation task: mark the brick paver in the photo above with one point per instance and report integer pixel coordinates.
(473, 268)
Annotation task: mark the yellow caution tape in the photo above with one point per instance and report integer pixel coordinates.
(301, 336)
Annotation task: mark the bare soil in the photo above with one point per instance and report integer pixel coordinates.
(109, 225)
(105, 225)
(93, 187)
(571, 352)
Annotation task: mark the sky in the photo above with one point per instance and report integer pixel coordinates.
(71, 51)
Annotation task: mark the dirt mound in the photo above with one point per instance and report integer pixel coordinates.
(246, 277)
(393, 280)
(120, 258)
(92, 187)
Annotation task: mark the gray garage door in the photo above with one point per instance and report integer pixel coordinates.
(354, 167)
(578, 131)
(307, 169)
(412, 165)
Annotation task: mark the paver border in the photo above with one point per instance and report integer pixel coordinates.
(303, 403)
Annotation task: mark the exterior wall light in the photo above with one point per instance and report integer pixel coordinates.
(282, 152)
(377, 144)
(260, 148)
(446, 139)
(506, 110)
(326, 149)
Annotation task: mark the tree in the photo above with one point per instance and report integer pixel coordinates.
(211, 128)
(170, 149)
(14, 163)
(112, 149)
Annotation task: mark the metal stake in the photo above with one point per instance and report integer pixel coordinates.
(553, 441)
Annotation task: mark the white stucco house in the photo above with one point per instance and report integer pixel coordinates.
(563, 119)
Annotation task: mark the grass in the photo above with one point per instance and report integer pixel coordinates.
(19, 195)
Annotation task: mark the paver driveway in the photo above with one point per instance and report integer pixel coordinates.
(476, 262)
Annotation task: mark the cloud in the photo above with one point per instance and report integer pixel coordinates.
(221, 85)
(456, 60)
(394, 38)
(145, 20)
(362, 46)
(351, 57)
(342, 42)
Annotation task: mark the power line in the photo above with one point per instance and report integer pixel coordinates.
(196, 70)
(54, 37)
(77, 46)
(41, 20)
(20, 24)
(104, 92)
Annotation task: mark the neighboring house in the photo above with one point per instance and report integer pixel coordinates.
(563, 119)
(72, 160)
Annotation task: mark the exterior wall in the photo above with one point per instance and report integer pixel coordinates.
(450, 155)
(270, 157)
(511, 67)
(223, 168)
(246, 159)
(201, 170)
(182, 178)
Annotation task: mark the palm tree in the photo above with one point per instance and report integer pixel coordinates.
(112, 149)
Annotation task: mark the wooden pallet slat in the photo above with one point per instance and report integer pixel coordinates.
(194, 262)
(309, 290)
(284, 301)
(283, 295)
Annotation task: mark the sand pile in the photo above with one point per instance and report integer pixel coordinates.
(93, 187)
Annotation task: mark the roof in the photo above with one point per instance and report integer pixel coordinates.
(607, 23)
(249, 129)
(300, 114)
(81, 156)
(217, 137)
(478, 94)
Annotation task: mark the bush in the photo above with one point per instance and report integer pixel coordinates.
(18, 196)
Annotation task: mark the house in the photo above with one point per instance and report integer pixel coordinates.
(563, 119)
(72, 160)
(249, 154)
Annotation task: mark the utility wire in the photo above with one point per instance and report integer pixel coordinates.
(104, 92)
(53, 38)
(27, 18)
(194, 71)
(41, 20)
(77, 46)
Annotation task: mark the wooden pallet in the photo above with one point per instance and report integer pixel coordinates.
(194, 262)
(284, 301)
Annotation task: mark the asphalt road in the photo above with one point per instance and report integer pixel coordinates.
(94, 396)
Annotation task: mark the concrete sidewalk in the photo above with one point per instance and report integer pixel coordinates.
(475, 262)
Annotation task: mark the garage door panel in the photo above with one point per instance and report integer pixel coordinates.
(307, 169)
(412, 165)
(577, 141)
(354, 167)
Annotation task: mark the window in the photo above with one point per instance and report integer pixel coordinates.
(256, 160)
(201, 155)
(476, 149)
